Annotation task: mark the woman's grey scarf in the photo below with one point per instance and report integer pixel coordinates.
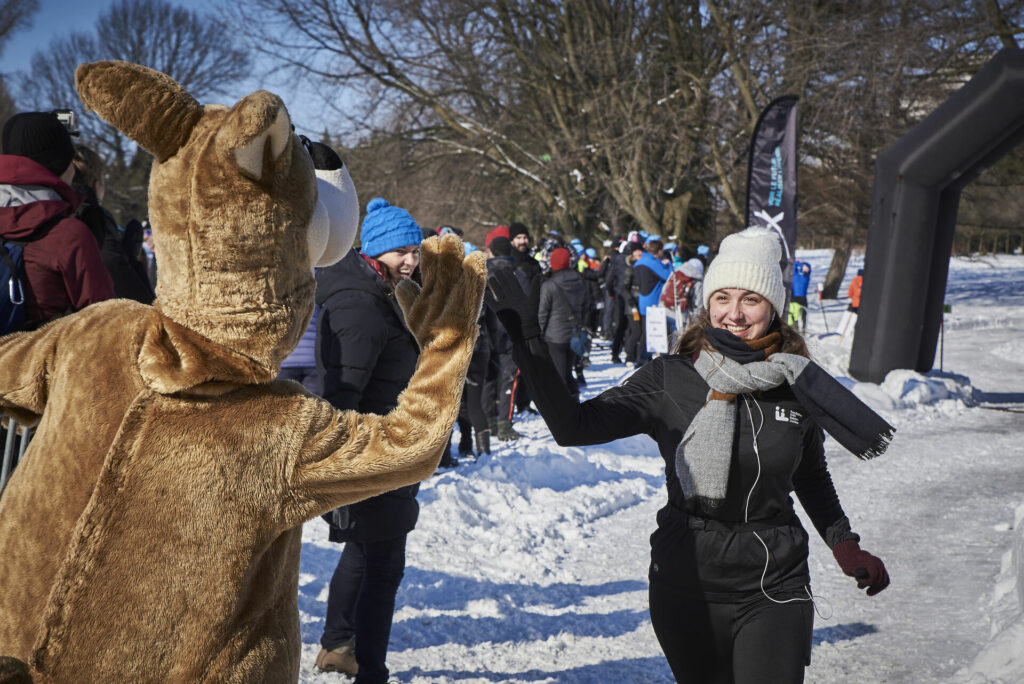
(733, 368)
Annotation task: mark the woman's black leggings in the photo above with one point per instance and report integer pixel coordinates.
(732, 643)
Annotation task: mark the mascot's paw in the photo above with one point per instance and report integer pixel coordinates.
(447, 307)
(13, 671)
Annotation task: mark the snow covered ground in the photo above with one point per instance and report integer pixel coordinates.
(530, 565)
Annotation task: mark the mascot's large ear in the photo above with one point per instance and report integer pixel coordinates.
(146, 105)
(256, 134)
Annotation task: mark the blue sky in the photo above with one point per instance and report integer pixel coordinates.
(61, 17)
(57, 17)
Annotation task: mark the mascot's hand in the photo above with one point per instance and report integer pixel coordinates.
(447, 307)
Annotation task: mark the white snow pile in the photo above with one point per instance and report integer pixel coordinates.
(1002, 659)
(907, 389)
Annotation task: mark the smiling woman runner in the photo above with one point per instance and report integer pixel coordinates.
(737, 411)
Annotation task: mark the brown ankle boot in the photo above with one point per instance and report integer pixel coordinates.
(340, 659)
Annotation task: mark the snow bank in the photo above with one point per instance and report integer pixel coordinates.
(1002, 660)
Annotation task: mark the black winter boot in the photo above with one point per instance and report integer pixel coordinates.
(483, 442)
(506, 433)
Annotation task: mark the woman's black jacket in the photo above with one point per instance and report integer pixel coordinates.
(365, 356)
(715, 555)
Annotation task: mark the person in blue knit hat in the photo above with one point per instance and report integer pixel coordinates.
(365, 357)
(391, 237)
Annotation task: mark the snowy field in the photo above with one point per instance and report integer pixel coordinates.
(530, 565)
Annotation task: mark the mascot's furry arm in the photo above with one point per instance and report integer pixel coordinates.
(359, 455)
(26, 361)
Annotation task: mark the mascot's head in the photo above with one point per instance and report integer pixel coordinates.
(239, 217)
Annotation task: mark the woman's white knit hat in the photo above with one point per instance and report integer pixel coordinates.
(749, 260)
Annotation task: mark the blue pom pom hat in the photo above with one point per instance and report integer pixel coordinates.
(386, 228)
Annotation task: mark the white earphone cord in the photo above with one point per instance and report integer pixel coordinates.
(746, 518)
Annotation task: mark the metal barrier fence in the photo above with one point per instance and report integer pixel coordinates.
(14, 449)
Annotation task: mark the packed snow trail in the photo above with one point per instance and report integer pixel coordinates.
(531, 564)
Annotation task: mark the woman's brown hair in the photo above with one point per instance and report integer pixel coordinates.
(695, 337)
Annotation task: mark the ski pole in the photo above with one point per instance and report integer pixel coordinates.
(821, 306)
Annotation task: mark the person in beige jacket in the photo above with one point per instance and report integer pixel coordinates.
(152, 531)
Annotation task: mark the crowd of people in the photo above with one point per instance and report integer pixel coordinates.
(722, 609)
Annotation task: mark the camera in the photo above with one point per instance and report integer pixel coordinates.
(69, 119)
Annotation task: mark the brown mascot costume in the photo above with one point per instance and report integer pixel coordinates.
(153, 530)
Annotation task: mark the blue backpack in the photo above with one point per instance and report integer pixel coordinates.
(12, 282)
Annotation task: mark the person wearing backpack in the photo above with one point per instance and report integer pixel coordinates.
(63, 268)
(564, 302)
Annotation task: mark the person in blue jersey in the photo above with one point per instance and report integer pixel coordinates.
(798, 302)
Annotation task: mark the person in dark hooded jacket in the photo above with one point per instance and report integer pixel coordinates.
(63, 266)
(502, 378)
(365, 356)
(564, 298)
(129, 282)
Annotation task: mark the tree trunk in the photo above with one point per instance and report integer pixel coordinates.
(837, 269)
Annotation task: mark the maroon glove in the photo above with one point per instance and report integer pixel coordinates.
(855, 562)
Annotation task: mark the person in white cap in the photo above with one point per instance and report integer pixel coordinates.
(738, 412)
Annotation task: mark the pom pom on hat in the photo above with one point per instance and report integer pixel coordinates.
(386, 228)
(748, 260)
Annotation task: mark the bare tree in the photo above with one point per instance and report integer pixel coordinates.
(14, 16)
(193, 48)
(865, 73)
(579, 103)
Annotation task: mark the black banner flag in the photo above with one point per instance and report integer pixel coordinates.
(771, 179)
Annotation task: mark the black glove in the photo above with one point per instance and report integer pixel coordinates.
(516, 309)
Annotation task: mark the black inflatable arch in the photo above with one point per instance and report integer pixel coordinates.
(914, 207)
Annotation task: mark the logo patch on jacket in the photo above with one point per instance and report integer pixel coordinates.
(787, 415)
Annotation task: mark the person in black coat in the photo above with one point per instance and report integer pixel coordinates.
(738, 412)
(522, 253)
(618, 285)
(501, 382)
(564, 300)
(519, 237)
(365, 357)
(130, 282)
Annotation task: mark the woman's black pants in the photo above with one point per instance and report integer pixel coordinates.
(361, 603)
(732, 643)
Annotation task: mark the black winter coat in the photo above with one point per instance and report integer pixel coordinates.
(563, 296)
(130, 279)
(615, 280)
(501, 344)
(714, 555)
(365, 356)
(526, 265)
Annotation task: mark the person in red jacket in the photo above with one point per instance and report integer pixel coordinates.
(854, 290)
(63, 266)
